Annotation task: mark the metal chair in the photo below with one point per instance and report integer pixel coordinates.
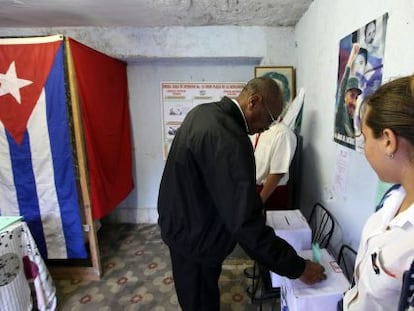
(346, 260)
(322, 224)
(261, 290)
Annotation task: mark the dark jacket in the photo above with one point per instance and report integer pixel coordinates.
(207, 198)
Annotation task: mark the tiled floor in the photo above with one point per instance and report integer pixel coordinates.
(137, 276)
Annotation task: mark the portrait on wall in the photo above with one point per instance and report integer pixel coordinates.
(359, 75)
(284, 76)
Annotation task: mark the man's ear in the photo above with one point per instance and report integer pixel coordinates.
(254, 99)
(390, 141)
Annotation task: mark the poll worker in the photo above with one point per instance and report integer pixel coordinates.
(273, 151)
(208, 201)
(386, 248)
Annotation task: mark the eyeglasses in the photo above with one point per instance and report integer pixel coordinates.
(274, 120)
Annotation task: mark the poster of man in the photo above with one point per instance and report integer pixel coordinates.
(359, 74)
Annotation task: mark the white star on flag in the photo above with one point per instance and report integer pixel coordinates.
(10, 83)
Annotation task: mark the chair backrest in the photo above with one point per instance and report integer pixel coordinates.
(346, 260)
(322, 225)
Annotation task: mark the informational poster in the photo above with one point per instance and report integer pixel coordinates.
(343, 158)
(178, 98)
(359, 75)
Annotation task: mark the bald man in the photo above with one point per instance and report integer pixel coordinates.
(208, 201)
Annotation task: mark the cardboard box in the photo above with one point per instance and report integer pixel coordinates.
(297, 296)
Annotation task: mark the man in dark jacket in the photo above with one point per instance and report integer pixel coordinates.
(208, 201)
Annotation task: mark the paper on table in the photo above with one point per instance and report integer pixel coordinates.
(288, 219)
(335, 277)
(6, 221)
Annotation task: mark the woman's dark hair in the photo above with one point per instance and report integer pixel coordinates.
(392, 106)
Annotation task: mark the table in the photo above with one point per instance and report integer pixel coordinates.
(291, 226)
(21, 267)
(297, 296)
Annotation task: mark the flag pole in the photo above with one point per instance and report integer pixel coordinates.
(94, 272)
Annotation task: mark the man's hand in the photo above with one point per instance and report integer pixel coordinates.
(313, 273)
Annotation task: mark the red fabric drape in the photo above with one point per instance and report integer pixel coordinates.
(103, 92)
(278, 200)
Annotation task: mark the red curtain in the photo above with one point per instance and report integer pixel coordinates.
(103, 92)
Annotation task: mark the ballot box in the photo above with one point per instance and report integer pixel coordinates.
(297, 296)
(291, 226)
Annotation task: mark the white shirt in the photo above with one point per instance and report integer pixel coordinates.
(274, 152)
(242, 113)
(392, 240)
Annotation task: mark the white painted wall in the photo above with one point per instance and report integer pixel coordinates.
(317, 35)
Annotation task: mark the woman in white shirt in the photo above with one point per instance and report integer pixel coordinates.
(387, 243)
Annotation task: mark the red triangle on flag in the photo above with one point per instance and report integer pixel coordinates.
(24, 69)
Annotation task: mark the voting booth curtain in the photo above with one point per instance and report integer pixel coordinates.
(103, 92)
(65, 139)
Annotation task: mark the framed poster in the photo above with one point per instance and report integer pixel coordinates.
(178, 98)
(283, 75)
(360, 67)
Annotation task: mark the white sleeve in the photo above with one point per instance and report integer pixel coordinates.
(283, 150)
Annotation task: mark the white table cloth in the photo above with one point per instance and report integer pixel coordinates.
(21, 264)
(297, 296)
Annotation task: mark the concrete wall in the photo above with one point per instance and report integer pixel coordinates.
(317, 54)
(273, 45)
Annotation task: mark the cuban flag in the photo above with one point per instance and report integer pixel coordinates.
(37, 172)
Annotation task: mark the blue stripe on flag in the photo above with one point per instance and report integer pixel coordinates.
(26, 189)
(63, 166)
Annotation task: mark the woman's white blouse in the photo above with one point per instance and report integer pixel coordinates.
(386, 250)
